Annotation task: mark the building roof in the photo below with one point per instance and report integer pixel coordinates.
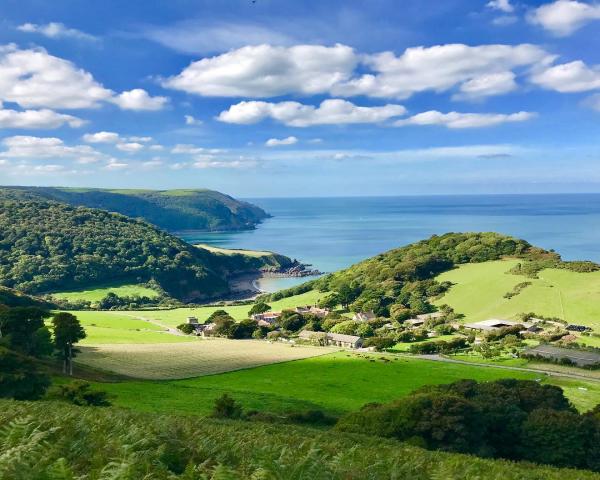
(364, 315)
(340, 337)
(579, 357)
(415, 321)
(495, 323)
(427, 316)
(310, 333)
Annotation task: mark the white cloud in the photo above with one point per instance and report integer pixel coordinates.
(33, 78)
(438, 68)
(278, 142)
(55, 30)
(487, 85)
(502, 5)
(330, 112)
(593, 102)
(130, 147)
(209, 162)
(114, 164)
(267, 71)
(156, 148)
(568, 77)
(139, 99)
(188, 149)
(564, 17)
(37, 119)
(140, 139)
(22, 146)
(464, 120)
(101, 137)
(190, 120)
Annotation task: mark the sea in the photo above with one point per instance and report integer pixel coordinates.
(334, 233)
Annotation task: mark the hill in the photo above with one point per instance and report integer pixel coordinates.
(168, 209)
(13, 298)
(47, 246)
(55, 440)
(403, 281)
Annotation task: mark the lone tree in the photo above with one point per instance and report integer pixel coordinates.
(67, 331)
(260, 307)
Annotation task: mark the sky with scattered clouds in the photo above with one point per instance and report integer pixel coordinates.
(302, 98)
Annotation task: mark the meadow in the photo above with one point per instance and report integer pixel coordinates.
(336, 383)
(479, 292)
(99, 292)
(189, 359)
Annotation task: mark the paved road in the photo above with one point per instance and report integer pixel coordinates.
(439, 358)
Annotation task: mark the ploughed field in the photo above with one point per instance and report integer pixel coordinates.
(479, 292)
(162, 361)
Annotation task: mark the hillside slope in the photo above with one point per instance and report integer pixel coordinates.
(50, 439)
(13, 298)
(47, 246)
(167, 209)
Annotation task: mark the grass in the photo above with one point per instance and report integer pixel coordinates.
(98, 293)
(239, 312)
(405, 346)
(122, 328)
(480, 288)
(190, 359)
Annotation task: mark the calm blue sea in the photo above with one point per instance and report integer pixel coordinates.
(333, 233)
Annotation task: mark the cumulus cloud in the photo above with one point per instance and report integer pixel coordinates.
(211, 162)
(23, 146)
(464, 120)
(37, 119)
(190, 120)
(114, 164)
(487, 85)
(55, 30)
(130, 147)
(187, 149)
(139, 99)
(102, 137)
(295, 114)
(564, 17)
(32, 78)
(267, 71)
(502, 5)
(278, 142)
(439, 68)
(568, 77)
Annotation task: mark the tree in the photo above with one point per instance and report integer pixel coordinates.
(346, 294)
(347, 328)
(67, 332)
(224, 324)
(259, 307)
(226, 407)
(20, 378)
(243, 329)
(291, 321)
(22, 329)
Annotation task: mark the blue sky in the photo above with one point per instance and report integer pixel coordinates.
(302, 98)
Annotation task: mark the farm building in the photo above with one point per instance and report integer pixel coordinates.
(414, 322)
(319, 312)
(363, 316)
(268, 317)
(577, 328)
(192, 321)
(580, 358)
(494, 324)
(336, 339)
(429, 316)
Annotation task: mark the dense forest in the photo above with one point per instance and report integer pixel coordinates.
(401, 282)
(167, 209)
(46, 246)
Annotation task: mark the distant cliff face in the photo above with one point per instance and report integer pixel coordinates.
(167, 209)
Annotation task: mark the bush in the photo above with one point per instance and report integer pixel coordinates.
(226, 407)
(20, 378)
(80, 393)
(186, 328)
(312, 417)
(379, 343)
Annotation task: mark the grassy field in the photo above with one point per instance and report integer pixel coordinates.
(190, 359)
(480, 288)
(98, 293)
(239, 312)
(122, 328)
(405, 346)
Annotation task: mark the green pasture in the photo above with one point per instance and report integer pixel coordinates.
(479, 291)
(98, 293)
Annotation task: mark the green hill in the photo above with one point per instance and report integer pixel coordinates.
(167, 209)
(13, 298)
(55, 440)
(47, 246)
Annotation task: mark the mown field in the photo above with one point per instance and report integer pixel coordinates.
(480, 288)
(337, 383)
(42, 440)
(190, 359)
(98, 293)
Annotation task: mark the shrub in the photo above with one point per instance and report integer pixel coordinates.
(379, 343)
(80, 393)
(226, 407)
(186, 328)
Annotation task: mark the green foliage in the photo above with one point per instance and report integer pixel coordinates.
(259, 307)
(291, 321)
(81, 393)
(441, 346)
(380, 343)
(20, 378)
(186, 328)
(47, 246)
(347, 327)
(226, 407)
(22, 329)
(167, 209)
(13, 298)
(59, 441)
